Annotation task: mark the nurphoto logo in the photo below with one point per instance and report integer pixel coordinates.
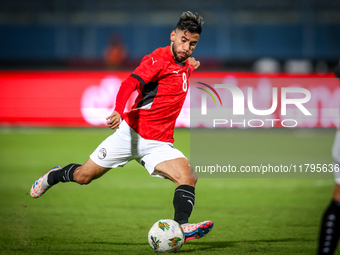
(238, 104)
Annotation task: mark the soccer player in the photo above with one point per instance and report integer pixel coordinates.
(146, 132)
(330, 224)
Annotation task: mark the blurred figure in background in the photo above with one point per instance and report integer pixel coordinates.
(116, 52)
(267, 65)
(330, 225)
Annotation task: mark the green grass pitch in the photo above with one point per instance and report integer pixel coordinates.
(113, 214)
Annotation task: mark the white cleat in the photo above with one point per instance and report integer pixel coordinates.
(40, 186)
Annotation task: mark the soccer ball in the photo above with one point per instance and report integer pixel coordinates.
(166, 236)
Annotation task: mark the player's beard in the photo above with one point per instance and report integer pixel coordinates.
(176, 54)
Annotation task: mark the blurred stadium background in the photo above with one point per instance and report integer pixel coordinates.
(70, 34)
(55, 55)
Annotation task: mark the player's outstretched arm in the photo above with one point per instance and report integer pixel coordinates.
(113, 120)
(194, 62)
(125, 91)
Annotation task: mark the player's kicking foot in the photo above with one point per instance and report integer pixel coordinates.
(40, 186)
(198, 230)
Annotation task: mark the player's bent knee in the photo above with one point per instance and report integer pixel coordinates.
(193, 178)
(188, 180)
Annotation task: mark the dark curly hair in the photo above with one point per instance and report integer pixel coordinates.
(190, 22)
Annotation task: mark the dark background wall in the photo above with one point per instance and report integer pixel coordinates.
(74, 34)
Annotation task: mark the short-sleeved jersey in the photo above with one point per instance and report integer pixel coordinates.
(164, 86)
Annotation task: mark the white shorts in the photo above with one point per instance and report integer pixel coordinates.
(125, 145)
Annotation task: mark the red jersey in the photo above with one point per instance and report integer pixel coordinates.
(162, 84)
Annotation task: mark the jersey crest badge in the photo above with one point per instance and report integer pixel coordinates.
(102, 153)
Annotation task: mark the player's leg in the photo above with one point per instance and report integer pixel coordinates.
(82, 174)
(177, 170)
(114, 151)
(330, 225)
(162, 160)
(88, 172)
(180, 172)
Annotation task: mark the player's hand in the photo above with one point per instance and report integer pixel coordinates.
(113, 120)
(194, 62)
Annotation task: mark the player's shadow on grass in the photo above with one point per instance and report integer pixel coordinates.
(224, 244)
